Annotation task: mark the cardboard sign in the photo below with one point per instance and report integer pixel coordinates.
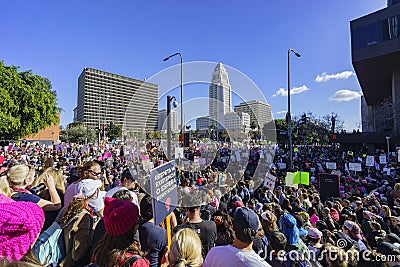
(329, 186)
(355, 166)
(164, 190)
(331, 165)
(370, 161)
(269, 181)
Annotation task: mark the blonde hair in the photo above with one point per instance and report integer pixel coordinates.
(186, 249)
(4, 186)
(396, 187)
(386, 210)
(57, 176)
(18, 174)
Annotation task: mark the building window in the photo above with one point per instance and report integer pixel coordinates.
(393, 27)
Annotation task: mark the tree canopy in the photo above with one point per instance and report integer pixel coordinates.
(27, 103)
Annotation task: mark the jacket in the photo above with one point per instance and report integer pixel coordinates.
(77, 236)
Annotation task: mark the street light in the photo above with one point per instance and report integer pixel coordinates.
(182, 123)
(387, 142)
(169, 135)
(288, 115)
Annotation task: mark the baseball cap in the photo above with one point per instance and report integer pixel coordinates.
(314, 233)
(88, 187)
(245, 218)
(279, 188)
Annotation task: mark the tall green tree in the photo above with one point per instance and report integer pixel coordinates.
(79, 133)
(27, 103)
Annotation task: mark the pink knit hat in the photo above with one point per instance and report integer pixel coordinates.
(119, 216)
(314, 218)
(20, 225)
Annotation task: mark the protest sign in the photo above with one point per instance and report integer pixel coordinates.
(164, 191)
(370, 161)
(320, 168)
(269, 181)
(289, 180)
(329, 186)
(179, 153)
(282, 166)
(382, 159)
(331, 165)
(355, 166)
(301, 178)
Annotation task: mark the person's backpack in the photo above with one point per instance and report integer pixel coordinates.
(49, 248)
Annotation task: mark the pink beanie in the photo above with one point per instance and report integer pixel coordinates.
(314, 218)
(20, 225)
(119, 216)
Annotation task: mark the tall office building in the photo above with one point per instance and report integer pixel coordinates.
(202, 124)
(375, 46)
(239, 121)
(220, 96)
(162, 120)
(105, 98)
(259, 112)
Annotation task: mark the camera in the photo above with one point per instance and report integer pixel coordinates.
(36, 190)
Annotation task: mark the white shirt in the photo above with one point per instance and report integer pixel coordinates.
(114, 190)
(230, 256)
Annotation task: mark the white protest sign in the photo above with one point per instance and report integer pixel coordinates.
(269, 181)
(382, 159)
(282, 166)
(355, 166)
(331, 165)
(179, 152)
(289, 180)
(370, 161)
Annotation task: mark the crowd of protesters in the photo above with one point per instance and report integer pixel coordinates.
(99, 195)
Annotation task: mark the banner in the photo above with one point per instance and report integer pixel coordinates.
(355, 166)
(164, 191)
(301, 178)
(370, 161)
(329, 186)
(269, 181)
(331, 165)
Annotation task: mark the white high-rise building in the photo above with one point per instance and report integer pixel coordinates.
(259, 112)
(237, 121)
(162, 120)
(220, 95)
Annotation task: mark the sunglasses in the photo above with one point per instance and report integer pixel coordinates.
(94, 173)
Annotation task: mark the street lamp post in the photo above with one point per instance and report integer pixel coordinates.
(182, 122)
(288, 115)
(169, 134)
(387, 142)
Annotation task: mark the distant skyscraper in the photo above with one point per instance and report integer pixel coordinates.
(162, 123)
(259, 112)
(202, 124)
(238, 121)
(104, 97)
(220, 96)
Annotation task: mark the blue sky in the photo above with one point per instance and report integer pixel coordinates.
(57, 39)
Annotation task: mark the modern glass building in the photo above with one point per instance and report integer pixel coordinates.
(105, 98)
(375, 46)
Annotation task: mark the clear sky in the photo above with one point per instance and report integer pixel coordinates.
(57, 39)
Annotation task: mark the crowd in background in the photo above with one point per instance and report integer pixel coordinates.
(99, 195)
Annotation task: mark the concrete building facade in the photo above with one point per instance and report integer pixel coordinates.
(375, 46)
(105, 97)
(237, 121)
(259, 112)
(162, 120)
